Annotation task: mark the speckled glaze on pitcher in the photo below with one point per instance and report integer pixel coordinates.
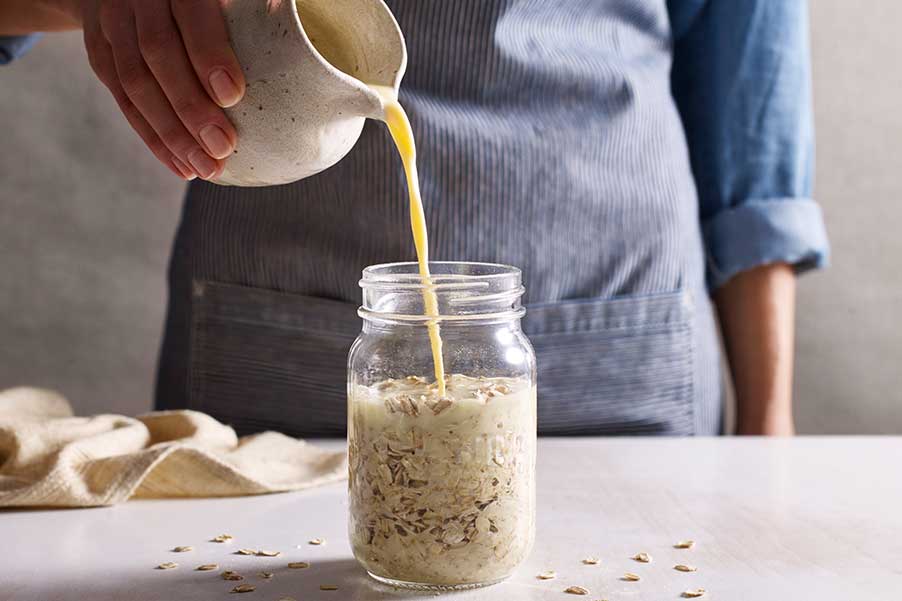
(308, 67)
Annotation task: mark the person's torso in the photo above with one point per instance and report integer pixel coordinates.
(547, 139)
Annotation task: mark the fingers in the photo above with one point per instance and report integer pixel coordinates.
(101, 58)
(151, 139)
(203, 30)
(138, 51)
(163, 50)
(145, 93)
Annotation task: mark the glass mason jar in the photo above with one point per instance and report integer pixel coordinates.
(442, 489)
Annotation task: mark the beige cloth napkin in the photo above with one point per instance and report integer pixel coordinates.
(48, 457)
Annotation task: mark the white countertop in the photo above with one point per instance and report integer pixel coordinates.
(800, 519)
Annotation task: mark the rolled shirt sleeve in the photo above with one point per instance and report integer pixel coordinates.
(741, 80)
(12, 47)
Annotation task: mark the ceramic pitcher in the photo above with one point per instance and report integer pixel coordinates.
(308, 66)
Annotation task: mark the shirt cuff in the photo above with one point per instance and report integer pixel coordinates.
(12, 47)
(760, 232)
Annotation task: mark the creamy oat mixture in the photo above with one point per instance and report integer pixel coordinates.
(442, 488)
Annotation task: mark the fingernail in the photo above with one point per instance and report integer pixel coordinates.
(224, 88)
(202, 164)
(216, 141)
(183, 169)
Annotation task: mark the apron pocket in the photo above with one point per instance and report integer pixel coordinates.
(618, 366)
(262, 359)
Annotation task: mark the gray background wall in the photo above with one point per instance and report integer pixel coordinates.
(86, 219)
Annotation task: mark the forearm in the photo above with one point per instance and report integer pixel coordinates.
(757, 315)
(19, 17)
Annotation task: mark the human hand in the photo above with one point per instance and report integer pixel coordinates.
(171, 69)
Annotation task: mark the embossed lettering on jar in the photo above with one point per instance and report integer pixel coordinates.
(442, 488)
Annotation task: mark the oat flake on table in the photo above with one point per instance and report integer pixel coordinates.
(244, 588)
(576, 590)
(692, 594)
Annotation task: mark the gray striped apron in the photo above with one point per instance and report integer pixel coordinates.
(548, 139)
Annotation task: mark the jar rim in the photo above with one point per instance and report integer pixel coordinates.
(468, 291)
(443, 275)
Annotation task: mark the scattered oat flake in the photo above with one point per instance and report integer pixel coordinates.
(265, 575)
(576, 590)
(244, 588)
(230, 575)
(692, 594)
(182, 549)
(549, 575)
(591, 561)
(298, 565)
(167, 566)
(684, 568)
(684, 544)
(246, 552)
(222, 538)
(207, 567)
(630, 577)
(328, 587)
(317, 541)
(642, 557)
(269, 553)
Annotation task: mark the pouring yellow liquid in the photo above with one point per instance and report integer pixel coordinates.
(328, 42)
(402, 134)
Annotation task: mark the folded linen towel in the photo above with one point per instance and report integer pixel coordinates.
(48, 457)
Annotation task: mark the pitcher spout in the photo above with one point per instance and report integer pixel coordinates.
(312, 68)
(362, 40)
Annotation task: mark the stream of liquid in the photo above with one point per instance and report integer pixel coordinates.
(401, 132)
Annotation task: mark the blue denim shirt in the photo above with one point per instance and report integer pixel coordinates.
(741, 80)
(12, 47)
